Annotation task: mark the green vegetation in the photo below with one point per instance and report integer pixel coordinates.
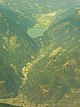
(42, 70)
(52, 80)
(9, 80)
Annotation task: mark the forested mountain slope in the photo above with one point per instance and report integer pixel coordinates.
(14, 39)
(53, 79)
(16, 49)
(44, 71)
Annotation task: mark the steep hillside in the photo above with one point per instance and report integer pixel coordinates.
(53, 78)
(40, 6)
(9, 80)
(16, 49)
(19, 47)
(45, 71)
